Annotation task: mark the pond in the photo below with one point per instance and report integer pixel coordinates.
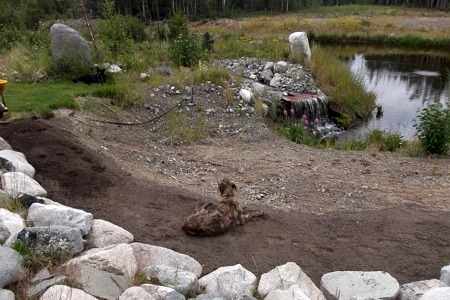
(404, 83)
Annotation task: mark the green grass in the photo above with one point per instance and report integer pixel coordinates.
(345, 89)
(40, 99)
(376, 140)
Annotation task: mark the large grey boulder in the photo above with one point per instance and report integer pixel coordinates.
(183, 281)
(16, 183)
(280, 67)
(53, 239)
(285, 276)
(229, 281)
(69, 47)
(45, 215)
(4, 145)
(345, 285)
(11, 266)
(104, 233)
(293, 293)
(42, 286)
(441, 293)
(300, 50)
(58, 292)
(104, 272)
(12, 223)
(136, 293)
(4, 234)
(149, 255)
(6, 295)
(157, 291)
(15, 161)
(415, 290)
(445, 275)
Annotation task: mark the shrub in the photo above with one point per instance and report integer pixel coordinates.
(208, 42)
(177, 24)
(118, 32)
(385, 141)
(185, 50)
(433, 128)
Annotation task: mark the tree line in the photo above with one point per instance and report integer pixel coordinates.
(29, 13)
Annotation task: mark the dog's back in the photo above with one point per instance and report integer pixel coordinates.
(215, 220)
(98, 77)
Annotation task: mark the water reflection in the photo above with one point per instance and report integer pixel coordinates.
(404, 84)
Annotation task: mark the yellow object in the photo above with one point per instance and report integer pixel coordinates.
(2, 85)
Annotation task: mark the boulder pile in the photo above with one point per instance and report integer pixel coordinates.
(103, 261)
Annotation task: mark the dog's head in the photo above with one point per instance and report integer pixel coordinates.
(226, 186)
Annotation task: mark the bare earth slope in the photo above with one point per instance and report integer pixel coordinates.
(325, 210)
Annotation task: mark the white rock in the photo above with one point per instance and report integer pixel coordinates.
(293, 293)
(114, 69)
(136, 293)
(246, 95)
(344, 285)
(298, 42)
(4, 145)
(148, 255)
(441, 293)
(104, 272)
(280, 67)
(118, 259)
(183, 281)
(275, 81)
(104, 233)
(144, 76)
(258, 88)
(13, 222)
(415, 290)
(445, 275)
(18, 162)
(158, 292)
(6, 295)
(45, 215)
(59, 292)
(268, 65)
(14, 183)
(285, 276)
(53, 239)
(229, 281)
(11, 266)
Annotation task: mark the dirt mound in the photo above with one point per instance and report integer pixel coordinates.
(408, 239)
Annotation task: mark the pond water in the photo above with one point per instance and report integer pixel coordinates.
(403, 83)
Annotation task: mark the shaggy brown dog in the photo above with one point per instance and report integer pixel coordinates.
(210, 219)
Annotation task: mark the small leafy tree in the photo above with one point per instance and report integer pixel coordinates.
(185, 50)
(433, 128)
(176, 24)
(118, 32)
(208, 42)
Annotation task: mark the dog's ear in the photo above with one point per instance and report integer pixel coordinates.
(222, 187)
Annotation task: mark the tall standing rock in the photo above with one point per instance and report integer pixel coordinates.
(69, 49)
(298, 42)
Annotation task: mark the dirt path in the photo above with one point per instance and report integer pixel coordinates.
(326, 210)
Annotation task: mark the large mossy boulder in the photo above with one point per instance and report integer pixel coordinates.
(70, 51)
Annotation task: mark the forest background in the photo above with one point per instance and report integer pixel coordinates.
(27, 14)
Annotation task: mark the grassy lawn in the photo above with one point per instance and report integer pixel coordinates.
(39, 99)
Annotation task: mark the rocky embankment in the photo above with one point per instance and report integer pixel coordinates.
(103, 262)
